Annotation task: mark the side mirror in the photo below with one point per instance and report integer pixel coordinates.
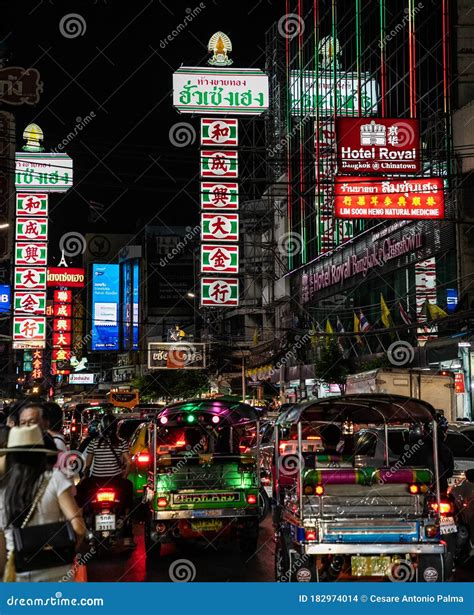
(470, 475)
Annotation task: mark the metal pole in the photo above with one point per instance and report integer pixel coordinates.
(436, 465)
(244, 382)
(300, 473)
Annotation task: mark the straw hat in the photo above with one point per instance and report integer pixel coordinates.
(28, 439)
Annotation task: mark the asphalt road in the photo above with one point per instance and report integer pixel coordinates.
(202, 562)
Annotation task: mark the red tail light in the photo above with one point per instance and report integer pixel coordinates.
(162, 502)
(414, 489)
(106, 496)
(445, 508)
(143, 459)
(251, 499)
(319, 490)
(310, 534)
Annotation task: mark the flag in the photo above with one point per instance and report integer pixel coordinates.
(357, 328)
(255, 337)
(330, 331)
(435, 311)
(404, 315)
(363, 323)
(313, 333)
(340, 329)
(386, 316)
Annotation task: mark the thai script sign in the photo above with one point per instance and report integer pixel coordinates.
(166, 355)
(215, 90)
(378, 146)
(369, 197)
(20, 85)
(46, 172)
(67, 277)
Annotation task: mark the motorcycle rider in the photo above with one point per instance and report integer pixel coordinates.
(107, 464)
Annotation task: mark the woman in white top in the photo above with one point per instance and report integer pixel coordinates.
(26, 468)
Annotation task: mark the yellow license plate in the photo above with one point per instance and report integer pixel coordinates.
(370, 565)
(208, 525)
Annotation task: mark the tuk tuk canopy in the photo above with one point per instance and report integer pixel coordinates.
(364, 409)
(234, 413)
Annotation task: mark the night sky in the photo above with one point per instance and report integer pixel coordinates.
(118, 74)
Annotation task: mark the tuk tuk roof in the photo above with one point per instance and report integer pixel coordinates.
(234, 412)
(365, 408)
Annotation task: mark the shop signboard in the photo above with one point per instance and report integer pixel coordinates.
(219, 227)
(30, 302)
(232, 91)
(217, 132)
(28, 204)
(30, 278)
(219, 163)
(384, 198)
(219, 259)
(35, 229)
(29, 332)
(66, 277)
(31, 253)
(219, 292)
(219, 196)
(166, 355)
(380, 145)
(47, 172)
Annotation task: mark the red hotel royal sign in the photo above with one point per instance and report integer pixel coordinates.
(374, 197)
(378, 145)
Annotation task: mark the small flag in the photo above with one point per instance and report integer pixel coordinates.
(330, 331)
(386, 317)
(340, 329)
(435, 312)
(255, 337)
(314, 334)
(357, 328)
(363, 322)
(404, 315)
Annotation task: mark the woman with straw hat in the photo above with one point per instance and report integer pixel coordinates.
(27, 477)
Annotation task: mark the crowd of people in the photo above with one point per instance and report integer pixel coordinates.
(36, 491)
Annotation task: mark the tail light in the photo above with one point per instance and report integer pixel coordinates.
(243, 448)
(310, 534)
(414, 489)
(251, 499)
(319, 490)
(162, 502)
(445, 508)
(143, 459)
(431, 531)
(106, 496)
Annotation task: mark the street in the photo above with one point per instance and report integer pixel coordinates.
(210, 564)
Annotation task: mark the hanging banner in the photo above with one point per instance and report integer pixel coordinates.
(219, 163)
(219, 132)
(43, 171)
(219, 196)
(381, 145)
(29, 332)
(30, 278)
(219, 227)
(32, 302)
(212, 90)
(219, 292)
(220, 259)
(371, 197)
(31, 204)
(32, 228)
(31, 253)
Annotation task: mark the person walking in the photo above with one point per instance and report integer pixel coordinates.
(32, 494)
(54, 416)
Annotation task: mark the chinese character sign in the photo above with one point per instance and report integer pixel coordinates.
(30, 278)
(219, 291)
(219, 227)
(30, 302)
(420, 198)
(219, 132)
(29, 332)
(28, 204)
(31, 253)
(219, 163)
(219, 258)
(32, 228)
(219, 196)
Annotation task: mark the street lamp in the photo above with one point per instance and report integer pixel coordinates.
(4, 225)
(190, 295)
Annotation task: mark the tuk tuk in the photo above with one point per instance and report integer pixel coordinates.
(201, 483)
(357, 491)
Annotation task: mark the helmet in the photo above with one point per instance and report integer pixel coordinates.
(93, 429)
(106, 422)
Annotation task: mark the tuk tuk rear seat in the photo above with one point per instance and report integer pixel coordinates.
(367, 476)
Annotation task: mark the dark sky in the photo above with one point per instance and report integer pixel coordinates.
(117, 74)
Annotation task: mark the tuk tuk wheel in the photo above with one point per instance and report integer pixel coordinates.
(282, 560)
(264, 504)
(152, 547)
(432, 568)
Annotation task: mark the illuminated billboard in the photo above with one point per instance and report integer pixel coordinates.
(379, 145)
(105, 307)
(371, 197)
(136, 305)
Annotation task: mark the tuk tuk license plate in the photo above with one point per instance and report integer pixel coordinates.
(447, 526)
(206, 525)
(370, 565)
(104, 523)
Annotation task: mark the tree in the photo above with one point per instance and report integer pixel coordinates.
(332, 367)
(171, 384)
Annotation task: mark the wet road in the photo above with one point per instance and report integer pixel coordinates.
(201, 562)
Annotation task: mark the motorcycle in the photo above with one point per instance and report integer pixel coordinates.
(105, 517)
